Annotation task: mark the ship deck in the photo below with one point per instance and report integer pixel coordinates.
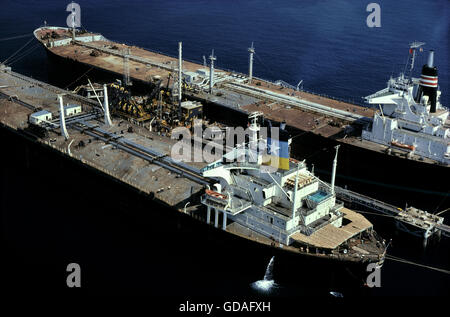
(144, 65)
(166, 186)
(330, 237)
(62, 33)
(20, 96)
(114, 63)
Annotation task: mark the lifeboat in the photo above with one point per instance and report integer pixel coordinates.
(215, 194)
(403, 146)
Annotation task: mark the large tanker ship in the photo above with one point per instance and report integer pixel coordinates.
(396, 149)
(70, 140)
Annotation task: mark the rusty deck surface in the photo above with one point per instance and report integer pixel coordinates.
(114, 63)
(63, 33)
(341, 105)
(301, 119)
(304, 120)
(167, 186)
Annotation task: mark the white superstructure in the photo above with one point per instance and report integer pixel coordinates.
(40, 117)
(275, 203)
(411, 116)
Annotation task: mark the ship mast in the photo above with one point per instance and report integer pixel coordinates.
(333, 174)
(294, 203)
(126, 66)
(412, 52)
(212, 58)
(180, 76)
(251, 50)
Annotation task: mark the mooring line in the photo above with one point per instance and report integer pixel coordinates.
(393, 258)
(14, 37)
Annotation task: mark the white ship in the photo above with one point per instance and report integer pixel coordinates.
(411, 116)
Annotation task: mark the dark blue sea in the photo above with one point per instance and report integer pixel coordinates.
(325, 43)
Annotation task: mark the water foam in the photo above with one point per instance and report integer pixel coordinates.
(267, 283)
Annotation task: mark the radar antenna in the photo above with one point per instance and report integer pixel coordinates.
(412, 54)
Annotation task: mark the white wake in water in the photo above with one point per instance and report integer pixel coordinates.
(263, 285)
(267, 283)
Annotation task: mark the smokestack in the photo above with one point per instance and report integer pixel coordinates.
(430, 59)
(428, 82)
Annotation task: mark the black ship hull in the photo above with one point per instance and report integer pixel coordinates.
(388, 178)
(57, 211)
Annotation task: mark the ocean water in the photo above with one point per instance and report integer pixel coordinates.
(327, 44)
(324, 43)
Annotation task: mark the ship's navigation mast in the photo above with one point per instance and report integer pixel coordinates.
(212, 58)
(412, 51)
(250, 63)
(255, 136)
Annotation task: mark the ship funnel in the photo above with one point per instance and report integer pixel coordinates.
(428, 83)
(430, 59)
